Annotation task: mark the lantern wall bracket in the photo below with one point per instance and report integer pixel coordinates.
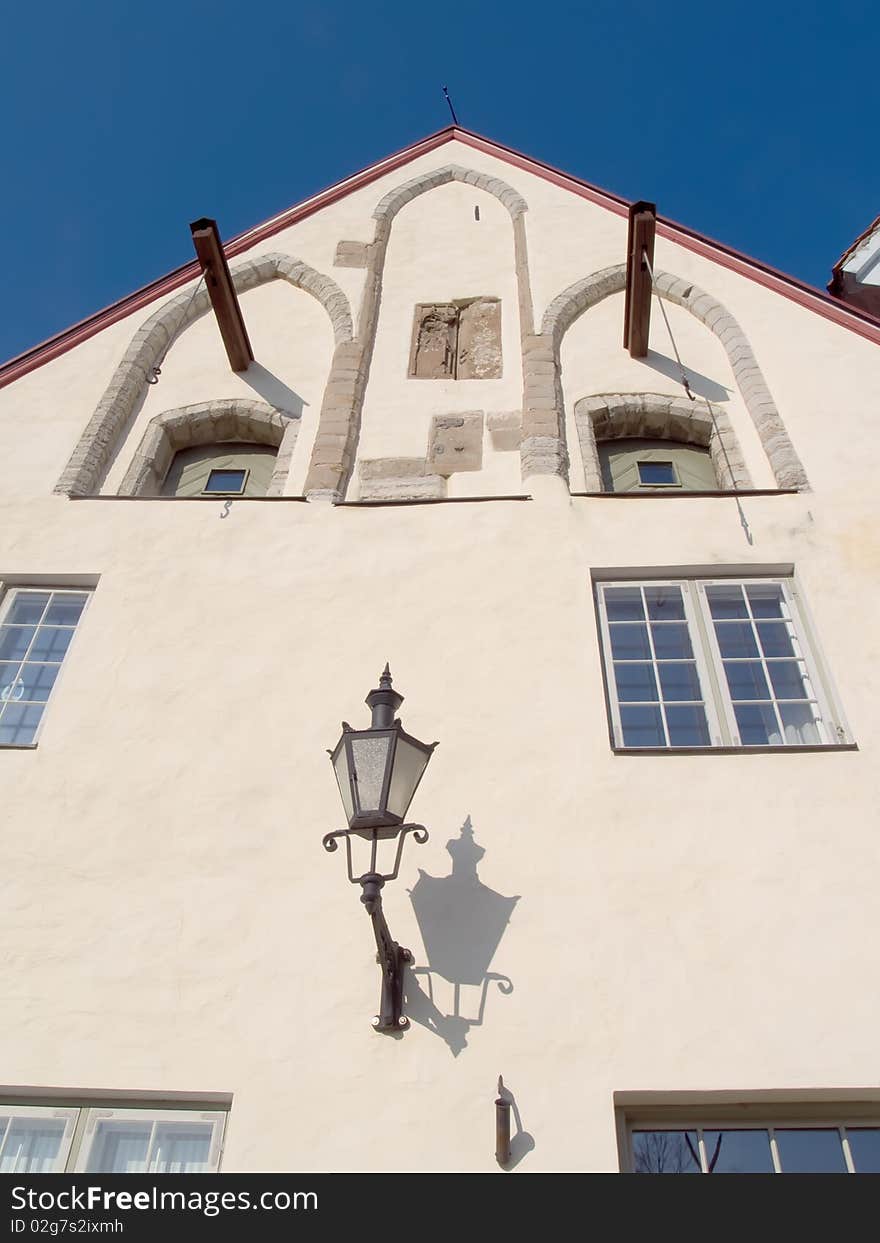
(390, 956)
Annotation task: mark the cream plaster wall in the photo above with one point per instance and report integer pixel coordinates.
(684, 922)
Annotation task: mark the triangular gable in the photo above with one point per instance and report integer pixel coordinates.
(830, 307)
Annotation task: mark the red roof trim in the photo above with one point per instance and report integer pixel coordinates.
(860, 322)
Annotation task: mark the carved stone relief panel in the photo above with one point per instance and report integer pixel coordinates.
(457, 340)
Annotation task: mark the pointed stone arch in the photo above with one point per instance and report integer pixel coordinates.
(96, 445)
(210, 422)
(336, 441)
(657, 416)
(586, 293)
(388, 207)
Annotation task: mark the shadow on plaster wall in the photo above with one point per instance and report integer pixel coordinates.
(462, 922)
(702, 385)
(273, 390)
(521, 1142)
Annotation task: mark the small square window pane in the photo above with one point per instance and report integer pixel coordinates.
(799, 724)
(766, 599)
(225, 481)
(738, 1152)
(119, 1147)
(27, 607)
(810, 1151)
(665, 603)
(51, 643)
(736, 639)
(35, 682)
(14, 641)
(642, 726)
(775, 639)
(864, 1144)
(629, 641)
(657, 473)
(665, 1152)
(726, 601)
(624, 604)
(10, 684)
(671, 642)
(18, 723)
(687, 726)
(635, 682)
(746, 679)
(65, 609)
(789, 679)
(679, 681)
(758, 726)
(181, 1148)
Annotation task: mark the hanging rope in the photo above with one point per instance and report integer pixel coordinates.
(686, 385)
(156, 370)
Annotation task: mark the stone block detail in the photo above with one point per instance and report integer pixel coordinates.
(398, 479)
(505, 428)
(455, 443)
(351, 255)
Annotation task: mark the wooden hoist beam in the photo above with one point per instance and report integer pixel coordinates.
(637, 307)
(224, 300)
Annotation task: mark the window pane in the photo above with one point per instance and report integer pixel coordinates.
(799, 724)
(726, 601)
(119, 1148)
(657, 472)
(864, 1144)
(629, 641)
(810, 1151)
(65, 609)
(687, 726)
(369, 756)
(32, 1146)
(758, 726)
(624, 604)
(181, 1148)
(665, 1152)
(746, 680)
(775, 639)
(789, 679)
(14, 641)
(664, 603)
(679, 681)
(10, 683)
(736, 639)
(51, 643)
(18, 723)
(225, 481)
(27, 607)
(635, 682)
(671, 642)
(35, 682)
(738, 1152)
(766, 600)
(642, 727)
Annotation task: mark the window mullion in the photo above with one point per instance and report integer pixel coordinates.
(774, 1150)
(701, 1148)
(710, 670)
(847, 1154)
(654, 666)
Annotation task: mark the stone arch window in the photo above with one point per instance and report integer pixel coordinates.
(230, 434)
(642, 419)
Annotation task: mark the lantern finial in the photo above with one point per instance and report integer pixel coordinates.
(385, 678)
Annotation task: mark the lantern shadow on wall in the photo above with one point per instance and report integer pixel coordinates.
(462, 922)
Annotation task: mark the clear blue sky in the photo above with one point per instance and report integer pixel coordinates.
(752, 122)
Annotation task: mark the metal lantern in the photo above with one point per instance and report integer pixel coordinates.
(378, 769)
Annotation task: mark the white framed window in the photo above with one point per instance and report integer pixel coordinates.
(37, 625)
(35, 1140)
(95, 1139)
(712, 663)
(776, 1146)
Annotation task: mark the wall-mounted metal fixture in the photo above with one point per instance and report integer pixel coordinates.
(378, 770)
(502, 1125)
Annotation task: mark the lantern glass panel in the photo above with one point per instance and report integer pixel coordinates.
(409, 764)
(340, 768)
(369, 755)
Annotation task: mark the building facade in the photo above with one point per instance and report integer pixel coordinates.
(640, 620)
